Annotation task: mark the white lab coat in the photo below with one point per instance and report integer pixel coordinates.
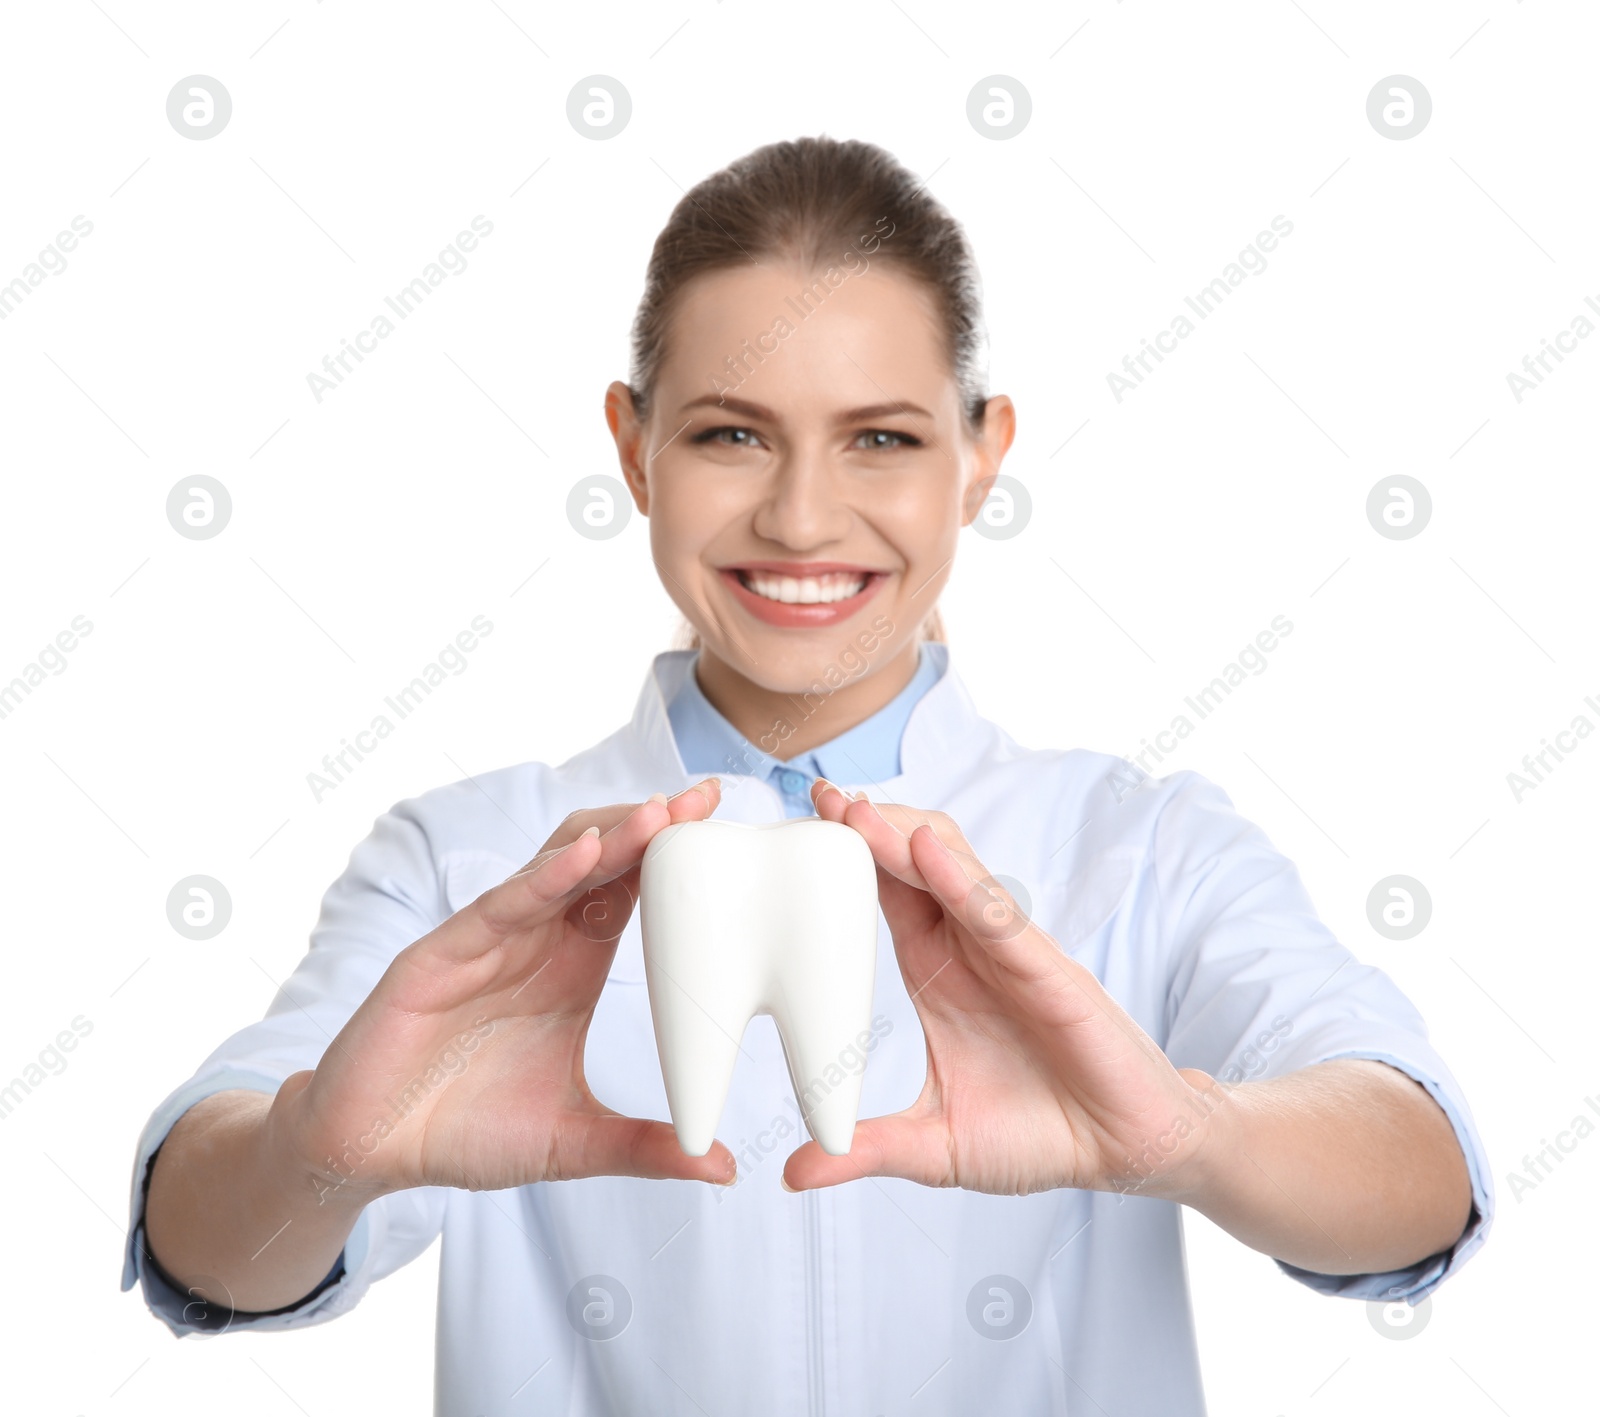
(877, 1296)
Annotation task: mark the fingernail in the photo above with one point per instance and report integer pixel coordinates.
(704, 788)
(782, 1181)
(591, 831)
(861, 797)
(660, 797)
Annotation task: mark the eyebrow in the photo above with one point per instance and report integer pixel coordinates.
(761, 411)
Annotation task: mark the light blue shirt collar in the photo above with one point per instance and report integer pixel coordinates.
(868, 752)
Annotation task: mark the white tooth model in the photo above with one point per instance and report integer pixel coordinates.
(776, 918)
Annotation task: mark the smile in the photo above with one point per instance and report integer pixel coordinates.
(802, 595)
(807, 590)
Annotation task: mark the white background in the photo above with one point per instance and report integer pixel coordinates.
(369, 528)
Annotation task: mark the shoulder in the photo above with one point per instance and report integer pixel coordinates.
(507, 812)
(1089, 814)
(1098, 799)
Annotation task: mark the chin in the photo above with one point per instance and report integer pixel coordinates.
(811, 661)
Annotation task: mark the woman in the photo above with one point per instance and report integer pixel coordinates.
(807, 432)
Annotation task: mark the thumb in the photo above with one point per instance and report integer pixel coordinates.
(902, 1144)
(609, 1144)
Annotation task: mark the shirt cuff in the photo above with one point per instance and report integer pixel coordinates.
(185, 1312)
(1414, 1283)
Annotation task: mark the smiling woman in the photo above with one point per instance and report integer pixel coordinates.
(837, 479)
(1170, 1025)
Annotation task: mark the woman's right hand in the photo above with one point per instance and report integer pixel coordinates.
(464, 1066)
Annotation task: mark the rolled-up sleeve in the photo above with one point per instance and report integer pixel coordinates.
(1260, 987)
(389, 895)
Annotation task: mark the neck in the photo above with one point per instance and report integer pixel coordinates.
(815, 716)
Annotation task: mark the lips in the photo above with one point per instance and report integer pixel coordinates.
(825, 574)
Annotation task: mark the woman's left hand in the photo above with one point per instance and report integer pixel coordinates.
(1036, 1077)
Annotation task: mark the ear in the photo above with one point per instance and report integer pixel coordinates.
(629, 435)
(989, 448)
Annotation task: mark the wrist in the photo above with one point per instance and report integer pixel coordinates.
(337, 1177)
(1192, 1161)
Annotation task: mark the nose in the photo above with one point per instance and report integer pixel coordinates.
(805, 505)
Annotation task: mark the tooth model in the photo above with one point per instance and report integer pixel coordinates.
(778, 918)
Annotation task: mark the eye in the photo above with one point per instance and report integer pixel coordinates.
(903, 440)
(744, 437)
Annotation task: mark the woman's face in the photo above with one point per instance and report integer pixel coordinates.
(805, 475)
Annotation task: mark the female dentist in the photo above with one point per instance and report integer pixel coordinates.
(1168, 1023)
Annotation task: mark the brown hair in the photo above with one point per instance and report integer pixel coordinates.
(808, 199)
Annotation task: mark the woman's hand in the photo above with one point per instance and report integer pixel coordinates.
(464, 1066)
(1036, 1077)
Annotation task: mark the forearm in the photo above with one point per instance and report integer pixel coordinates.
(232, 1212)
(1346, 1167)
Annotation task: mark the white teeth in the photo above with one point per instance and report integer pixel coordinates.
(808, 590)
(780, 919)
